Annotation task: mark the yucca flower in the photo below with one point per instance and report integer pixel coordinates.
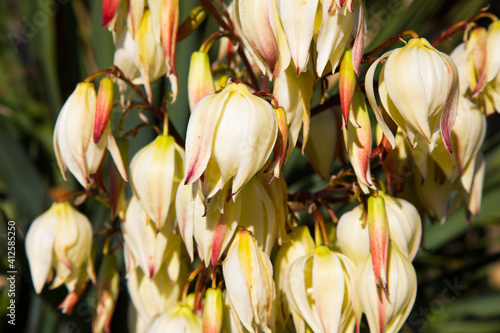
(74, 146)
(386, 311)
(61, 240)
(318, 287)
(419, 89)
(155, 173)
(248, 274)
(262, 34)
(230, 136)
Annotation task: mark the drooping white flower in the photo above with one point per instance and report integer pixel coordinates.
(73, 137)
(61, 239)
(155, 173)
(248, 274)
(230, 136)
(419, 89)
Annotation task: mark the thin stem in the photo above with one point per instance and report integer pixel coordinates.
(165, 123)
(96, 74)
(318, 219)
(392, 40)
(218, 17)
(462, 25)
(189, 280)
(117, 72)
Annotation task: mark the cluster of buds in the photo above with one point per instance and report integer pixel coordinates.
(221, 199)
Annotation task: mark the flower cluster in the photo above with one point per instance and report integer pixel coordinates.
(217, 209)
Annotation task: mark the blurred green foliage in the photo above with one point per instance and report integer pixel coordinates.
(47, 47)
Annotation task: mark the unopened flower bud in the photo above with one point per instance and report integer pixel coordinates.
(358, 142)
(169, 20)
(104, 106)
(200, 79)
(213, 311)
(155, 172)
(378, 230)
(405, 229)
(248, 275)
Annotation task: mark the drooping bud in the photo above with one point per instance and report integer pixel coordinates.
(405, 229)
(230, 136)
(358, 142)
(61, 239)
(248, 275)
(213, 311)
(155, 173)
(378, 229)
(419, 89)
(347, 85)
(73, 145)
(200, 79)
(386, 312)
(108, 284)
(169, 17)
(104, 105)
(309, 287)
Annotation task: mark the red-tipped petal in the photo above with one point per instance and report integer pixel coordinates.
(109, 8)
(169, 26)
(378, 227)
(104, 105)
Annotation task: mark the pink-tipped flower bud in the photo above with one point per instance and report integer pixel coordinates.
(213, 311)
